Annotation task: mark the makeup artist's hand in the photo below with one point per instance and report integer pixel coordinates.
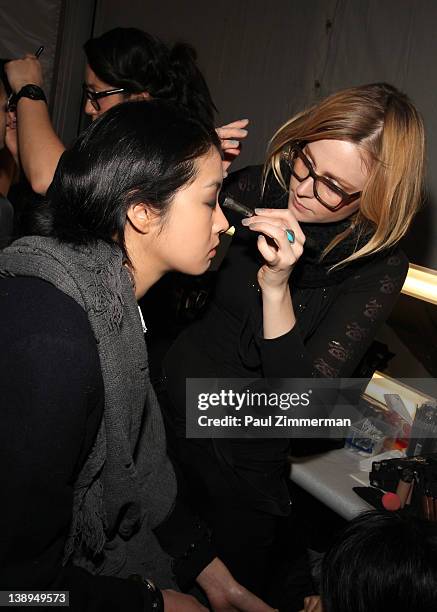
(312, 604)
(225, 594)
(280, 255)
(24, 71)
(231, 136)
(11, 137)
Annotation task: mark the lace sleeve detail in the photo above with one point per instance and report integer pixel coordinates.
(347, 329)
(355, 317)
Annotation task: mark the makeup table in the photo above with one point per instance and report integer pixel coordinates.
(329, 477)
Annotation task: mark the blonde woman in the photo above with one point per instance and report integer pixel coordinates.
(340, 186)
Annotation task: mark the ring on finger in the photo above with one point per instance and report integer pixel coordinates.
(290, 236)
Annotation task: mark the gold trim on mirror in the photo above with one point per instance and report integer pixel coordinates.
(421, 283)
(382, 384)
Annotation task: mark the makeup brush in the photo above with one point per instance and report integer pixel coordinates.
(237, 207)
(245, 211)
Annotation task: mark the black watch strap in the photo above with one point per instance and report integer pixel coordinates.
(33, 92)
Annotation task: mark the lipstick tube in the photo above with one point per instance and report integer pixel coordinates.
(405, 486)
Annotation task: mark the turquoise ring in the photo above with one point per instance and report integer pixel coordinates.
(290, 235)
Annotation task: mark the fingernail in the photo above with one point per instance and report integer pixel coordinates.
(245, 222)
(234, 143)
(260, 210)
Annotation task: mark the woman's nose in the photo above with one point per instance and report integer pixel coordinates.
(221, 224)
(89, 108)
(306, 187)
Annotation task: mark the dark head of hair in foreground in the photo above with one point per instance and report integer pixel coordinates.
(382, 561)
(138, 62)
(135, 152)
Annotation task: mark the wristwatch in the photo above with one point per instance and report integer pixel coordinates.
(33, 92)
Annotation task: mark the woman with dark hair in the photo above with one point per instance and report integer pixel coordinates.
(381, 561)
(138, 63)
(90, 496)
(305, 285)
(122, 64)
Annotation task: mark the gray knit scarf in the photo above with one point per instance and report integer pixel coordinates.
(127, 485)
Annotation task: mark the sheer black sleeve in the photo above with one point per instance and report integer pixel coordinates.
(346, 330)
(348, 327)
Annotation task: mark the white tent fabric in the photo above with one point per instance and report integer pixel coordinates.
(262, 60)
(266, 60)
(25, 26)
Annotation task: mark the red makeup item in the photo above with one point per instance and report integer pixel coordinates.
(391, 502)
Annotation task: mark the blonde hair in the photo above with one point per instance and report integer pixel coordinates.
(385, 124)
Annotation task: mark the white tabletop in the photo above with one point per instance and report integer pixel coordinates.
(330, 477)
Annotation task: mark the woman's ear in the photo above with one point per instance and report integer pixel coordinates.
(142, 95)
(141, 217)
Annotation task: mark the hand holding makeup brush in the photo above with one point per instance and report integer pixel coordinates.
(280, 242)
(21, 72)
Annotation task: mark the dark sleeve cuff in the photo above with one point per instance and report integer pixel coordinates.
(187, 567)
(102, 593)
(285, 356)
(187, 539)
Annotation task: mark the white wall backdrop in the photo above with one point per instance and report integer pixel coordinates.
(262, 59)
(25, 26)
(267, 59)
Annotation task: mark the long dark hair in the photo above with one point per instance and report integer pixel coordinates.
(135, 152)
(137, 61)
(382, 561)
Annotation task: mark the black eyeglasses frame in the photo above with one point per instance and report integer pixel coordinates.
(289, 156)
(95, 96)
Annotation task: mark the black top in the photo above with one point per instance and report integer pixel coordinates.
(336, 319)
(337, 315)
(52, 399)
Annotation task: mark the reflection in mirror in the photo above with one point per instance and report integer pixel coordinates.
(410, 335)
